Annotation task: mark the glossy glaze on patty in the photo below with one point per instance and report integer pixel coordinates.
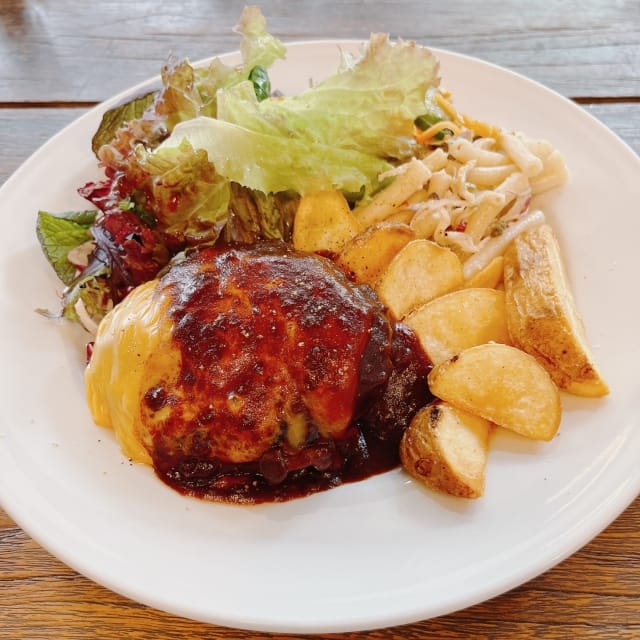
(272, 375)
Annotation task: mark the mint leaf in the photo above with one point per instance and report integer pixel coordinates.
(58, 234)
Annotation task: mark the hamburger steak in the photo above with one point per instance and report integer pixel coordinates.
(256, 373)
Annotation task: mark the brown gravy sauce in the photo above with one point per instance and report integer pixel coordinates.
(390, 383)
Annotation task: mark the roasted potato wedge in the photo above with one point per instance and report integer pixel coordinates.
(502, 384)
(446, 449)
(542, 317)
(420, 271)
(369, 253)
(459, 320)
(323, 223)
(491, 276)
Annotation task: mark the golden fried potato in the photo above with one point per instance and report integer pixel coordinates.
(490, 277)
(323, 223)
(542, 317)
(459, 320)
(369, 253)
(446, 449)
(421, 271)
(502, 384)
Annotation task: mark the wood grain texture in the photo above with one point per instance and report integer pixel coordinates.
(621, 118)
(579, 48)
(26, 130)
(594, 594)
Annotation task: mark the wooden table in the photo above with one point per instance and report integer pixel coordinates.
(59, 58)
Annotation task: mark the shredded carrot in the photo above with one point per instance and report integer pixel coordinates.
(447, 107)
(480, 128)
(422, 137)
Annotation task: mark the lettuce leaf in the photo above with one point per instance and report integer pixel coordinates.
(181, 190)
(118, 116)
(189, 92)
(258, 46)
(90, 288)
(186, 92)
(272, 163)
(341, 133)
(254, 215)
(370, 105)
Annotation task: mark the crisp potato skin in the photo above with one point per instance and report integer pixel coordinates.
(369, 253)
(542, 317)
(446, 450)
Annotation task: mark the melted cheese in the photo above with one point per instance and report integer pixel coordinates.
(116, 374)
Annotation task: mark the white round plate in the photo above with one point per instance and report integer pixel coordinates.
(371, 554)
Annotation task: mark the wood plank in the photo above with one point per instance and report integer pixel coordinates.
(25, 130)
(621, 118)
(582, 597)
(88, 51)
